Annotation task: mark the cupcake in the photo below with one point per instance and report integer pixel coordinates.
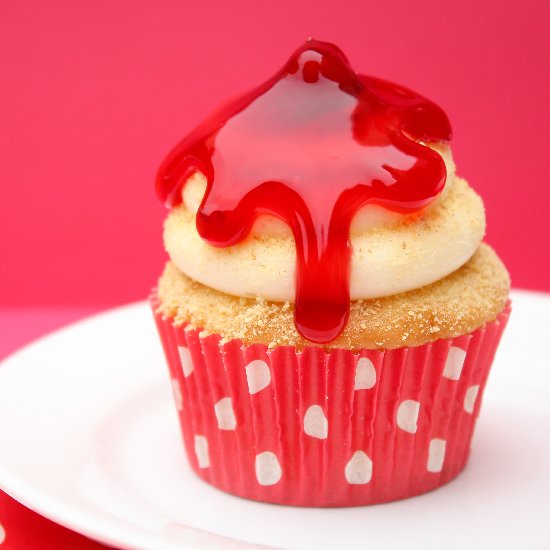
(329, 312)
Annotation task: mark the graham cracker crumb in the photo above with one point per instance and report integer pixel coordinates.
(458, 304)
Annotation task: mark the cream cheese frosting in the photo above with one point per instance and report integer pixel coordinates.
(392, 253)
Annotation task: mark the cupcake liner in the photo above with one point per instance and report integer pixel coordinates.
(310, 428)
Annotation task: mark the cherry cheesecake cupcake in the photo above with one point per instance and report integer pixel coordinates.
(329, 312)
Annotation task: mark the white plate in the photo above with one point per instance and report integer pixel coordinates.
(89, 438)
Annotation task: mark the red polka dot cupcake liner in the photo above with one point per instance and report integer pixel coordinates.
(343, 428)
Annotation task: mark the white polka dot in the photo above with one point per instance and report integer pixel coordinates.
(470, 399)
(365, 374)
(454, 363)
(225, 414)
(315, 422)
(2, 534)
(186, 361)
(176, 390)
(359, 469)
(407, 415)
(268, 469)
(258, 375)
(436, 455)
(201, 451)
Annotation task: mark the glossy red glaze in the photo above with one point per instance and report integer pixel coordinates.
(311, 146)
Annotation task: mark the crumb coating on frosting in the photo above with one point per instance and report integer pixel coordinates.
(458, 304)
(390, 259)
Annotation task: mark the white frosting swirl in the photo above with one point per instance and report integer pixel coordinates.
(392, 252)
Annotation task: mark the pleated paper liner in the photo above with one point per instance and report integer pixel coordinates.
(343, 428)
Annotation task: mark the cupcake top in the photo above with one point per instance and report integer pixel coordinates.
(319, 187)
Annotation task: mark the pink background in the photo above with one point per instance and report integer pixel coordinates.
(93, 94)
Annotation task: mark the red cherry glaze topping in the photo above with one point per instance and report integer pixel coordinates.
(311, 146)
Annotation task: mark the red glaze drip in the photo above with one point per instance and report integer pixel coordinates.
(311, 146)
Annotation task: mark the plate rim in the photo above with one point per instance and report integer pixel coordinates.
(96, 527)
